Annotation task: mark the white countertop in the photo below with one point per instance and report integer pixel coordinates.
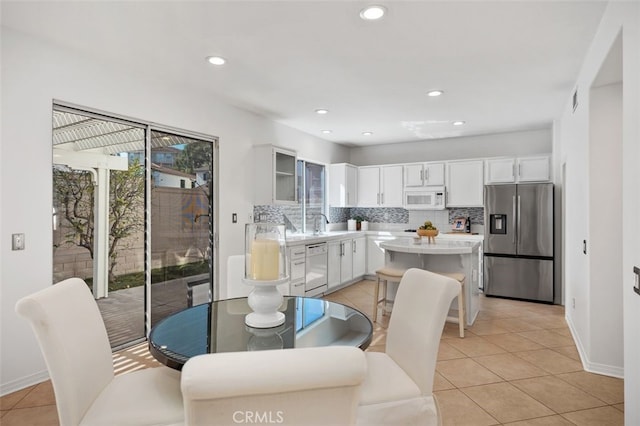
(440, 246)
(297, 239)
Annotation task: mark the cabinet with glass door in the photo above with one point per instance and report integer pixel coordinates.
(275, 175)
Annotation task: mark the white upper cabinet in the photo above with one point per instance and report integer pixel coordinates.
(500, 170)
(391, 185)
(275, 176)
(534, 169)
(513, 170)
(465, 183)
(380, 186)
(425, 174)
(369, 186)
(343, 185)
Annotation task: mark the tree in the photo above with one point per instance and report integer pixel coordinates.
(194, 156)
(74, 193)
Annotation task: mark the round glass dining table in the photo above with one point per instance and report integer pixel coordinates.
(219, 327)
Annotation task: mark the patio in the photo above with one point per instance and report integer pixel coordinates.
(123, 310)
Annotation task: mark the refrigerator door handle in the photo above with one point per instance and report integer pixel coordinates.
(514, 217)
(518, 220)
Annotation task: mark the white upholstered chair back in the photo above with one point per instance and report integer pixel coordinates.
(302, 386)
(74, 342)
(416, 324)
(75, 345)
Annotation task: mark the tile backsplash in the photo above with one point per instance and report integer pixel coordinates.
(290, 215)
(381, 215)
(475, 213)
(442, 219)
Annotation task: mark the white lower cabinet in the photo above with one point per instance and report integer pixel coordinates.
(359, 251)
(340, 263)
(334, 264)
(346, 266)
(297, 261)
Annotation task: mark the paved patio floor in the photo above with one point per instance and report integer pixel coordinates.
(123, 310)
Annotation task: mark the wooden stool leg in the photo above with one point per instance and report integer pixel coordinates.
(384, 297)
(375, 300)
(461, 310)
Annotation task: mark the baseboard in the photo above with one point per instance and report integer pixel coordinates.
(24, 382)
(605, 370)
(592, 367)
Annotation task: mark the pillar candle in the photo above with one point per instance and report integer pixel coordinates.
(265, 260)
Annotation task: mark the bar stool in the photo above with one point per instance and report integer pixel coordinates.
(461, 310)
(385, 275)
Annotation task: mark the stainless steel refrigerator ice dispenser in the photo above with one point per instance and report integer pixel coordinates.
(497, 224)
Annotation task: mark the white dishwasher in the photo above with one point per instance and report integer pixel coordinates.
(316, 269)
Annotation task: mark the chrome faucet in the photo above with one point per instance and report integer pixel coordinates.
(316, 222)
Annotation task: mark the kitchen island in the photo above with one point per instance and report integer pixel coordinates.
(448, 256)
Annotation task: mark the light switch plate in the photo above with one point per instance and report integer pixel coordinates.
(17, 242)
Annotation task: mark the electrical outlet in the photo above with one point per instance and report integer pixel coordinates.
(573, 302)
(17, 242)
(234, 217)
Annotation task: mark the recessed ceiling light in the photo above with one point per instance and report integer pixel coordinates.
(435, 93)
(327, 132)
(322, 111)
(372, 13)
(216, 60)
(458, 123)
(367, 133)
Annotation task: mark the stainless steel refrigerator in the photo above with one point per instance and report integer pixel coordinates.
(518, 244)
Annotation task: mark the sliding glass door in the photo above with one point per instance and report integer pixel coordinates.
(98, 215)
(134, 216)
(181, 207)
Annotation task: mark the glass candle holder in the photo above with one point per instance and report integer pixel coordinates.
(266, 267)
(265, 251)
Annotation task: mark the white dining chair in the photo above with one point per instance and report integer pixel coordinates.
(301, 386)
(73, 339)
(399, 384)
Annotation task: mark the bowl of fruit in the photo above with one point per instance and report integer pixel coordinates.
(428, 230)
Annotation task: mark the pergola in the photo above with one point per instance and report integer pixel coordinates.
(89, 142)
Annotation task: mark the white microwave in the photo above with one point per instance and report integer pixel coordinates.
(425, 199)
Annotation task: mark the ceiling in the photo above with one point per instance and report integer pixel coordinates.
(504, 65)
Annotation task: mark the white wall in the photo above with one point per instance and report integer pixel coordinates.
(33, 74)
(574, 134)
(605, 226)
(495, 145)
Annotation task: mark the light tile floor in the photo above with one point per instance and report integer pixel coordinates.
(517, 365)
